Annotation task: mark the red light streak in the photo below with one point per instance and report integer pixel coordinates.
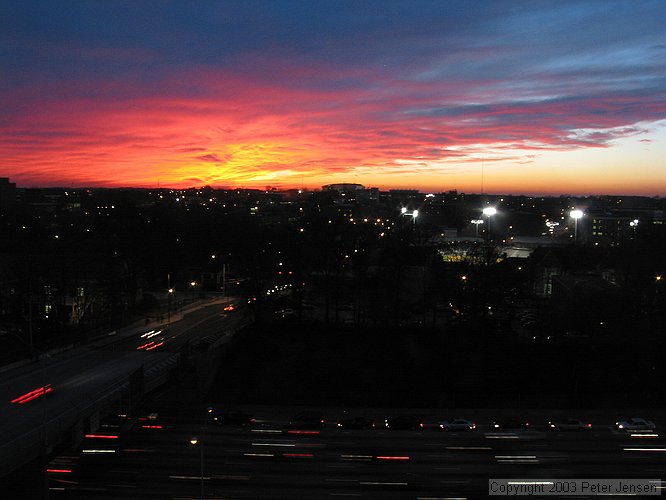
(392, 458)
(100, 436)
(151, 427)
(302, 432)
(144, 346)
(29, 396)
(60, 471)
(154, 346)
(298, 455)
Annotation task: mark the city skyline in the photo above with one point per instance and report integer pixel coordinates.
(495, 97)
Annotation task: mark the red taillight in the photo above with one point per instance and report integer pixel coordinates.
(100, 436)
(29, 396)
(421, 426)
(589, 425)
(527, 424)
(60, 471)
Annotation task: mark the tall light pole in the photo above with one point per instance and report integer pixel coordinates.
(195, 441)
(169, 294)
(489, 212)
(476, 223)
(575, 215)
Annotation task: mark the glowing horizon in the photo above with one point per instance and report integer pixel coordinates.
(428, 95)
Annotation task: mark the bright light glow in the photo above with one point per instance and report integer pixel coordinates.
(489, 211)
(415, 213)
(194, 440)
(403, 210)
(100, 436)
(576, 214)
(477, 221)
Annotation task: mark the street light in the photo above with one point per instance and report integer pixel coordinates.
(489, 212)
(195, 441)
(169, 294)
(476, 222)
(575, 215)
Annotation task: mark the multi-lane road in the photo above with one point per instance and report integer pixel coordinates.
(272, 460)
(78, 378)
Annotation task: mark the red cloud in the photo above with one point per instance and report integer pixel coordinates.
(224, 128)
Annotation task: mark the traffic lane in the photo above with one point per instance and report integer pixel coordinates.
(77, 380)
(263, 475)
(172, 337)
(240, 445)
(351, 477)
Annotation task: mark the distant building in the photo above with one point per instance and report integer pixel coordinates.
(548, 262)
(343, 187)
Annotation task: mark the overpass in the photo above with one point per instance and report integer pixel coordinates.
(55, 402)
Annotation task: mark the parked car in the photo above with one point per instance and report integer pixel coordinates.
(308, 420)
(569, 424)
(457, 424)
(511, 423)
(356, 423)
(635, 424)
(404, 422)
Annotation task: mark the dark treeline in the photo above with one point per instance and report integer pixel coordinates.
(369, 301)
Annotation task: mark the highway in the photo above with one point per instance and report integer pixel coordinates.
(77, 378)
(272, 460)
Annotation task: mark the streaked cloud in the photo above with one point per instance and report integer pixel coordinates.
(240, 93)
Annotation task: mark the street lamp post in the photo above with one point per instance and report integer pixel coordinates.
(575, 215)
(476, 223)
(413, 213)
(195, 441)
(169, 294)
(489, 212)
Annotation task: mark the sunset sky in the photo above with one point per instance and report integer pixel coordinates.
(541, 97)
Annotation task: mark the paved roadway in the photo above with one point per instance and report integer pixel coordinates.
(266, 461)
(80, 375)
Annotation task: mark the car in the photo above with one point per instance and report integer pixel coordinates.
(511, 423)
(635, 424)
(356, 423)
(234, 418)
(308, 420)
(457, 424)
(404, 422)
(569, 424)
